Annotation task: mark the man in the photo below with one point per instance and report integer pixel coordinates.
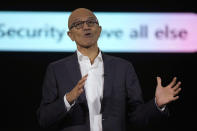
(94, 91)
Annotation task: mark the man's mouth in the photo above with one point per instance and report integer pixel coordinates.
(87, 35)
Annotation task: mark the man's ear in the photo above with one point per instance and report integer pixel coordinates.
(69, 33)
(100, 29)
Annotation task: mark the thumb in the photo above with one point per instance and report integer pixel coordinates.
(158, 81)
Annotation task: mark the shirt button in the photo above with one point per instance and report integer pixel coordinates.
(103, 119)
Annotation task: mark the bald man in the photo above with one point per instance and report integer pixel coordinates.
(92, 91)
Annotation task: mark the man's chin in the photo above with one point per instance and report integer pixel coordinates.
(87, 45)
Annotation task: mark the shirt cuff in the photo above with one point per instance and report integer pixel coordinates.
(68, 106)
(160, 109)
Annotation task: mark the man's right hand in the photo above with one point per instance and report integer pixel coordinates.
(77, 90)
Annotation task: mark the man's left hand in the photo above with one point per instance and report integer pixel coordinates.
(165, 95)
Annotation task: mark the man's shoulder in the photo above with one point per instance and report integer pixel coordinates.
(116, 59)
(63, 61)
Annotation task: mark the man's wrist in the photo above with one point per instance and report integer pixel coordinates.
(67, 104)
(160, 107)
(69, 98)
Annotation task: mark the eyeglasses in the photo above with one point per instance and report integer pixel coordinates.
(79, 24)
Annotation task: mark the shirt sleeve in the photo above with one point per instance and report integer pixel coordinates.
(68, 106)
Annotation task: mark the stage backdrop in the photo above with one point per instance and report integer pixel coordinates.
(121, 32)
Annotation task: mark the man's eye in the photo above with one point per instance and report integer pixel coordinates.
(90, 22)
(78, 24)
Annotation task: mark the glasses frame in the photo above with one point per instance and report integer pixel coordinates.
(74, 25)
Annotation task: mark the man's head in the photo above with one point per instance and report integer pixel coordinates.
(84, 28)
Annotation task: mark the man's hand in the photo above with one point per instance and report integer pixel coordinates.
(165, 95)
(77, 90)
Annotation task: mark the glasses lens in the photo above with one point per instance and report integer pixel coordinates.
(79, 24)
(90, 23)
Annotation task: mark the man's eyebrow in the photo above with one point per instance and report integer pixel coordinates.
(78, 19)
(91, 18)
(75, 20)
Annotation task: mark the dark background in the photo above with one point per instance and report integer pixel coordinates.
(22, 73)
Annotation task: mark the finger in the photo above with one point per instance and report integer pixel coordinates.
(81, 90)
(81, 85)
(177, 86)
(177, 91)
(158, 81)
(175, 98)
(85, 76)
(172, 82)
(83, 79)
(82, 82)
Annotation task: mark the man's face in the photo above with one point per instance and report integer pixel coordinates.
(84, 28)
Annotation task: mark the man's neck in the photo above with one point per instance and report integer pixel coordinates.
(91, 52)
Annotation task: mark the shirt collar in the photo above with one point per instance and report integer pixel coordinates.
(81, 57)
